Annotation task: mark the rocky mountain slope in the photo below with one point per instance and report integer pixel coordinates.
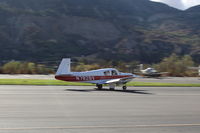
(39, 30)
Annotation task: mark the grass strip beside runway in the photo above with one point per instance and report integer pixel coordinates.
(62, 83)
(39, 82)
(158, 84)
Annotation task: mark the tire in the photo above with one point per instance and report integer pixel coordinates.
(99, 87)
(124, 88)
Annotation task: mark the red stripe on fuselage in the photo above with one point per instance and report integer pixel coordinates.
(88, 78)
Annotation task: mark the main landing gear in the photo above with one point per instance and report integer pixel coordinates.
(111, 87)
(124, 87)
(99, 86)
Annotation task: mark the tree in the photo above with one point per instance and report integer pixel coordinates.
(11, 67)
(16, 67)
(176, 66)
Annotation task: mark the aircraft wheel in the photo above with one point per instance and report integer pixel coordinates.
(124, 87)
(99, 87)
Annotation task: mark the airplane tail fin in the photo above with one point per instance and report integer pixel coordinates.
(141, 67)
(64, 67)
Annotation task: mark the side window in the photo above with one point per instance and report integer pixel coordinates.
(106, 73)
(114, 72)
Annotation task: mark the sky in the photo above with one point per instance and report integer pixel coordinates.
(180, 4)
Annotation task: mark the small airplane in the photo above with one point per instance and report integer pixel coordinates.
(150, 72)
(110, 76)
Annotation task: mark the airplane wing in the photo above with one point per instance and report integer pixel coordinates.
(157, 74)
(119, 80)
(112, 81)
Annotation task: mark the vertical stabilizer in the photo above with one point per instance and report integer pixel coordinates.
(141, 67)
(64, 67)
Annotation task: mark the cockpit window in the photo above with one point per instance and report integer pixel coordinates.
(114, 72)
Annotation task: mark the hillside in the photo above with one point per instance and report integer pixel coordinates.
(42, 30)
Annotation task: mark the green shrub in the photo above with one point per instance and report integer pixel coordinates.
(16, 67)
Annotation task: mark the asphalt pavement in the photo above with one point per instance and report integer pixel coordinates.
(73, 109)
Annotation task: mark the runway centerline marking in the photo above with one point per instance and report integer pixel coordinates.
(96, 127)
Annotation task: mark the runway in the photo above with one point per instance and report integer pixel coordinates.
(73, 109)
